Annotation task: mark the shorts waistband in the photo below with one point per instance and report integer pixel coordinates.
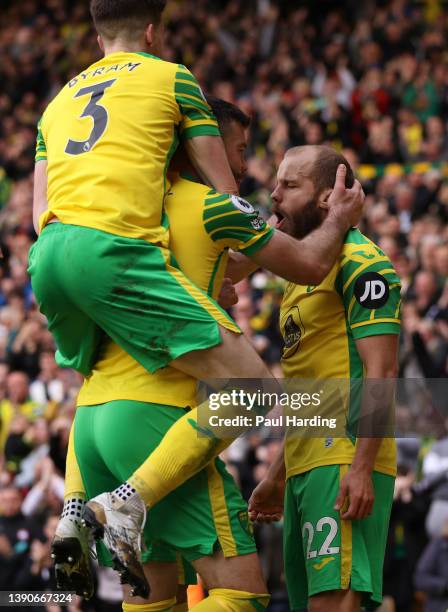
(60, 226)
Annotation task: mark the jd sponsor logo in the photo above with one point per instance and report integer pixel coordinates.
(372, 290)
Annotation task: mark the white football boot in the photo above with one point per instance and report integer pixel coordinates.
(119, 520)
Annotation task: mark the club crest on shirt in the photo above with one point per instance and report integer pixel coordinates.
(257, 223)
(292, 331)
(243, 517)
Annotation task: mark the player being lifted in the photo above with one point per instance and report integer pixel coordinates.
(102, 264)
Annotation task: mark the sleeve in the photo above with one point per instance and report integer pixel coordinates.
(41, 149)
(197, 116)
(234, 223)
(371, 291)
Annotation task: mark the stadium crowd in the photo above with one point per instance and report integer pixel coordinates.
(371, 79)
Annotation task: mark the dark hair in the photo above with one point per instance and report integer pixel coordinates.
(323, 172)
(113, 16)
(226, 112)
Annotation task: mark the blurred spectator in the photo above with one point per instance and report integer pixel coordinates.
(431, 575)
(435, 467)
(36, 437)
(47, 387)
(16, 534)
(17, 403)
(47, 493)
(405, 542)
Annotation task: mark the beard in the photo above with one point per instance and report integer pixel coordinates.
(307, 220)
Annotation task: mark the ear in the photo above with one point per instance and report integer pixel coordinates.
(100, 42)
(149, 34)
(322, 201)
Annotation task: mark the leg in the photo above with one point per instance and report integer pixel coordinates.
(241, 573)
(337, 601)
(70, 546)
(163, 578)
(166, 594)
(181, 598)
(205, 512)
(235, 357)
(166, 469)
(234, 584)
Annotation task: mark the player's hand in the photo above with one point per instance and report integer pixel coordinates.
(228, 296)
(356, 495)
(266, 501)
(346, 204)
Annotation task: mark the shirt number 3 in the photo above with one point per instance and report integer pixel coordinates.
(97, 112)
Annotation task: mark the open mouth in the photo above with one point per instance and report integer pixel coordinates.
(280, 221)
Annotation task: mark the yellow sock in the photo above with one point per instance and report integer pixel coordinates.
(167, 605)
(182, 453)
(233, 601)
(74, 486)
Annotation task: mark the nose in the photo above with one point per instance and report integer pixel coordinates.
(276, 195)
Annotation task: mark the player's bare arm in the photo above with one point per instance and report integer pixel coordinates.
(307, 261)
(356, 497)
(266, 501)
(208, 155)
(239, 266)
(40, 203)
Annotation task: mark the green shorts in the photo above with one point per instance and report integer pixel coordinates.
(323, 553)
(88, 282)
(205, 514)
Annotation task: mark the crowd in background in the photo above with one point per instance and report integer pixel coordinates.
(370, 78)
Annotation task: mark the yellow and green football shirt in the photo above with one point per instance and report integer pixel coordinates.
(360, 297)
(109, 136)
(204, 225)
